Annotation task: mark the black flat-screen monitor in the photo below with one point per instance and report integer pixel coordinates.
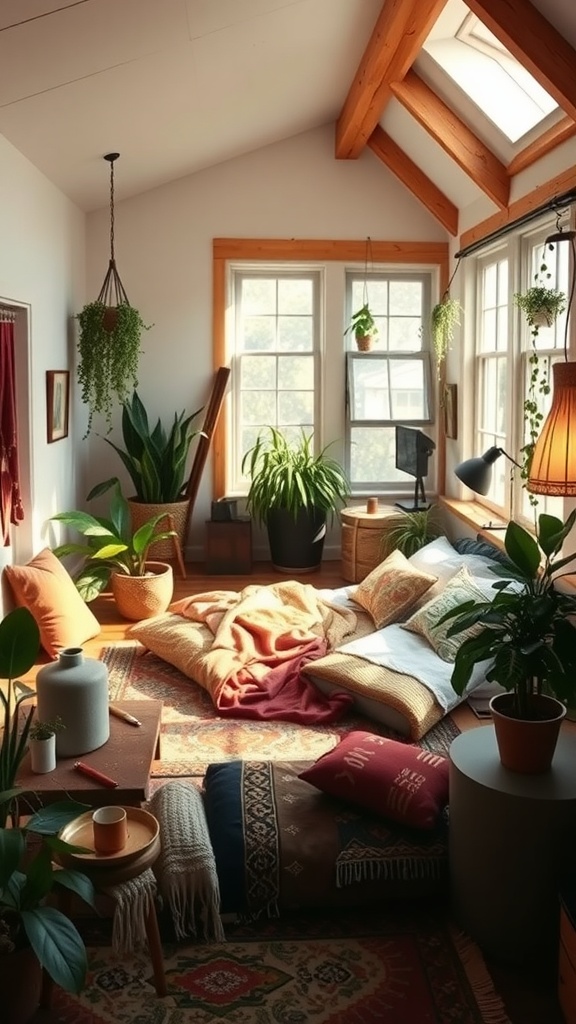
(413, 449)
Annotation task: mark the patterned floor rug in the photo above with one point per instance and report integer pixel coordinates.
(193, 735)
(408, 967)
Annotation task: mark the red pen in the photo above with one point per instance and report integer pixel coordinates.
(96, 775)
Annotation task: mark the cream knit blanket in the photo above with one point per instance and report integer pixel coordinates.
(186, 868)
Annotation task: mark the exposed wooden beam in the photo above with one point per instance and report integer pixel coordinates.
(398, 35)
(414, 179)
(535, 43)
(456, 139)
(548, 190)
(326, 249)
(545, 143)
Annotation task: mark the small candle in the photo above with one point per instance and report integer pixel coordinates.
(372, 506)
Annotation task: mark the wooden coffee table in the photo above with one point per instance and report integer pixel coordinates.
(126, 757)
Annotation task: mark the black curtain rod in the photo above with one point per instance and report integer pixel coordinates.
(558, 203)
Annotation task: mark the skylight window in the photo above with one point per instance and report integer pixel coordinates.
(491, 77)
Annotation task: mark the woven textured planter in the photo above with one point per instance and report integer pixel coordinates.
(141, 597)
(141, 512)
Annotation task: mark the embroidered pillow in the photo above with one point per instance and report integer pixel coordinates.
(47, 590)
(396, 780)
(391, 589)
(462, 587)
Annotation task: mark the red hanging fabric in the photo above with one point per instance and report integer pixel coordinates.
(11, 510)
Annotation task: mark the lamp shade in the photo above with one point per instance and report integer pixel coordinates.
(477, 473)
(553, 466)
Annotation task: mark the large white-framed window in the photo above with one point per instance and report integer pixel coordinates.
(281, 309)
(393, 383)
(505, 347)
(276, 360)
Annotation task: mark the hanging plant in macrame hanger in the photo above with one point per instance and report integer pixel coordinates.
(362, 323)
(109, 338)
(445, 318)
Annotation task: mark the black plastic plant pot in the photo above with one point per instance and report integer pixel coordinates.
(296, 543)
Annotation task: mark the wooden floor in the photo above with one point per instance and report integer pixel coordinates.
(530, 998)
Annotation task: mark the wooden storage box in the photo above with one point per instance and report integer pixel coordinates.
(229, 547)
(363, 542)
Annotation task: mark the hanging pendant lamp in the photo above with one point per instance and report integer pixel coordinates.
(553, 463)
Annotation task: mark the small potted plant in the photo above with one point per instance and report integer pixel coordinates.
(526, 636)
(414, 531)
(541, 305)
(363, 326)
(42, 744)
(445, 318)
(293, 492)
(117, 555)
(109, 352)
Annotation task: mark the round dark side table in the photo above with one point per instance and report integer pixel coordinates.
(512, 842)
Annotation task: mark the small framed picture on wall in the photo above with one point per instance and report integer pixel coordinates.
(57, 404)
(450, 403)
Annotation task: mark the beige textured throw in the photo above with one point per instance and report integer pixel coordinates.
(186, 868)
(133, 901)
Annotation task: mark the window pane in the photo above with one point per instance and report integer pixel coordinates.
(295, 407)
(295, 333)
(407, 390)
(258, 333)
(372, 455)
(258, 372)
(295, 295)
(405, 334)
(383, 388)
(295, 372)
(258, 296)
(258, 407)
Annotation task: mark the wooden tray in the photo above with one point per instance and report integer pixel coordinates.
(143, 829)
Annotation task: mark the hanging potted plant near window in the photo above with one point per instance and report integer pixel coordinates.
(445, 318)
(363, 325)
(541, 306)
(109, 338)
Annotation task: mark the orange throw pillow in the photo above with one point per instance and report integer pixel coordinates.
(47, 590)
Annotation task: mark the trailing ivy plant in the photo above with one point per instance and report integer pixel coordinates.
(445, 318)
(541, 306)
(109, 351)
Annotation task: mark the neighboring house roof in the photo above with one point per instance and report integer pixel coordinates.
(180, 85)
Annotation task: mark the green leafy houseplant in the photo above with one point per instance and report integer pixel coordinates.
(155, 458)
(363, 326)
(19, 648)
(109, 351)
(110, 546)
(541, 305)
(414, 531)
(44, 730)
(445, 318)
(26, 881)
(289, 476)
(524, 632)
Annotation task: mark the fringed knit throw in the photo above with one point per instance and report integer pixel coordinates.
(133, 903)
(186, 868)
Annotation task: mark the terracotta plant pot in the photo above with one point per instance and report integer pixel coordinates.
(142, 597)
(527, 745)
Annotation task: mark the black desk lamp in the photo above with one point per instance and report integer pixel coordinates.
(477, 473)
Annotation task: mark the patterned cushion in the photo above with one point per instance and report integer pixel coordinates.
(47, 590)
(397, 780)
(462, 587)
(391, 589)
(174, 639)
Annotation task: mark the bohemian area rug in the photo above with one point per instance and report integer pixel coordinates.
(401, 966)
(194, 736)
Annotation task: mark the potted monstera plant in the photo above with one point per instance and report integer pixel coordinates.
(527, 640)
(293, 492)
(115, 554)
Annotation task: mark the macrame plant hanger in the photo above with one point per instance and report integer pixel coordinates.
(112, 292)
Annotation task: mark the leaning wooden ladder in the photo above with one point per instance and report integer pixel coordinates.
(204, 441)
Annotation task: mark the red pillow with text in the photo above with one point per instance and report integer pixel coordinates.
(396, 780)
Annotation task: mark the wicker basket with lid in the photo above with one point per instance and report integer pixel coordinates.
(364, 539)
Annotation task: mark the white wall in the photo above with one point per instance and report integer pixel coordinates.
(163, 243)
(42, 271)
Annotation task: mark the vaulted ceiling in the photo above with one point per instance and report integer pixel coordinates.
(177, 86)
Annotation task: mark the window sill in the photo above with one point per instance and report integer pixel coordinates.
(475, 516)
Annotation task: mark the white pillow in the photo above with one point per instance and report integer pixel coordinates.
(440, 558)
